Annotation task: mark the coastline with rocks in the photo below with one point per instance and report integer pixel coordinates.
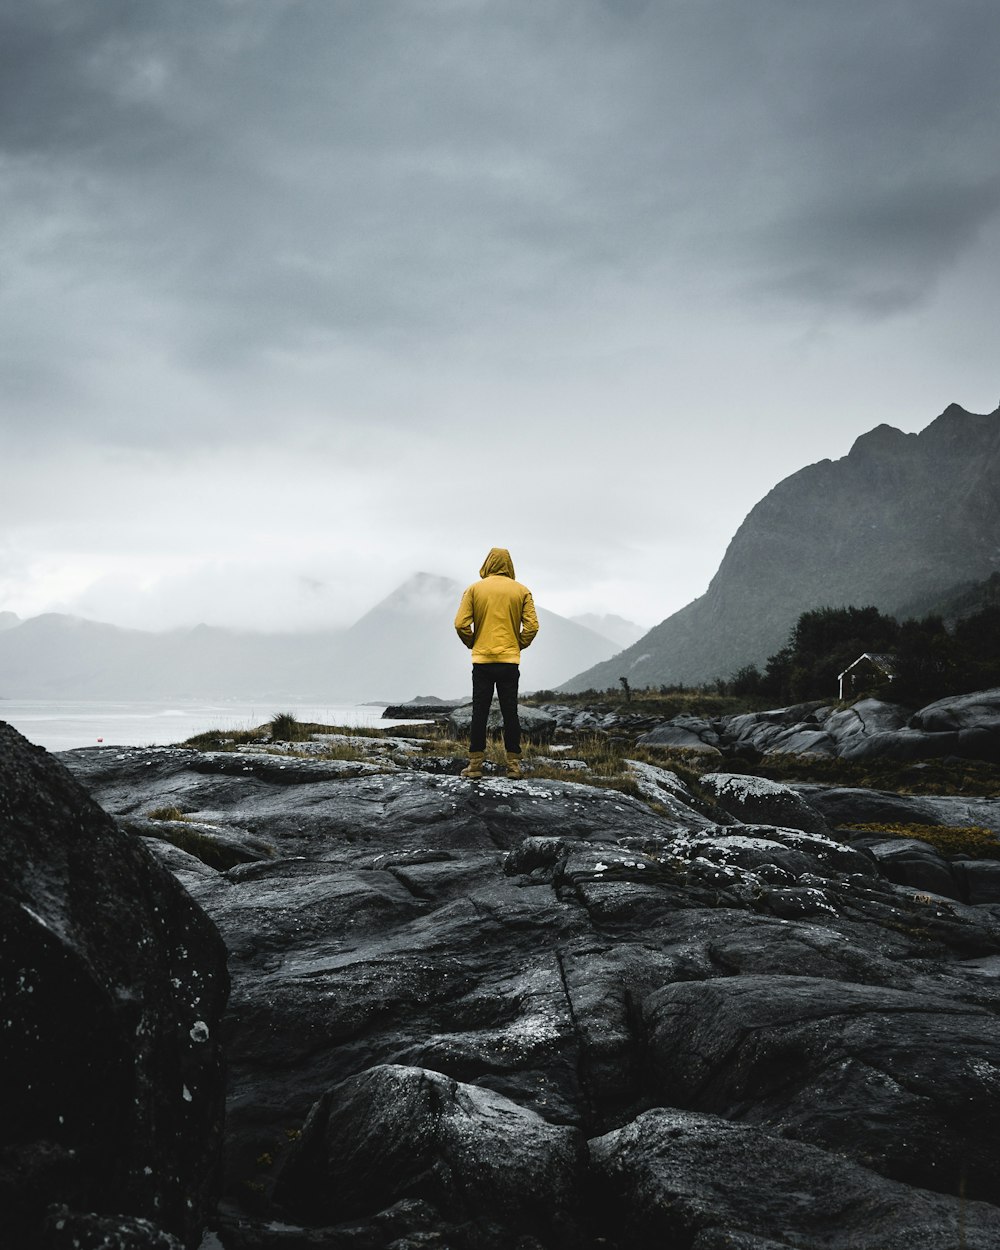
(658, 1006)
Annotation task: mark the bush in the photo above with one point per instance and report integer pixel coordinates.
(285, 727)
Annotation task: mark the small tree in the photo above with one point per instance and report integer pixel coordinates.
(746, 680)
(977, 649)
(925, 661)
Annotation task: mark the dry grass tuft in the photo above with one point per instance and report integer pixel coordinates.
(166, 813)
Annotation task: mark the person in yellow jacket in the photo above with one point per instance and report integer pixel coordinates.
(496, 620)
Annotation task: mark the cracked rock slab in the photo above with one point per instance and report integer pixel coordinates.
(687, 1179)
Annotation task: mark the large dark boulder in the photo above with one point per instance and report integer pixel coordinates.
(755, 800)
(980, 710)
(848, 806)
(911, 862)
(973, 720)
(398, 1132)
(113, 985)
(676, 1178)
(869, 1072)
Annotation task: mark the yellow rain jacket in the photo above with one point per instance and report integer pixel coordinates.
(496, 617)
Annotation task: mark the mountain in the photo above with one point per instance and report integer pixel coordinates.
(617, 628)
(405, 643)
(408, 642)
(901, 517)
(8, 620)
(56, 656)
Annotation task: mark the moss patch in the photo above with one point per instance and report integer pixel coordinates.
(952, 841)
(942, 776)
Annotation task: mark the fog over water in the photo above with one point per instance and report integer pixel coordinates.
(66, 726)
(299, 298)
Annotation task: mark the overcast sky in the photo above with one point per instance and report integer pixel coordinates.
(298, 297)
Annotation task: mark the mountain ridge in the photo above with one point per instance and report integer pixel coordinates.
(406, 641)
(901, 515)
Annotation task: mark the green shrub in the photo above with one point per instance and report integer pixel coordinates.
(286, 727)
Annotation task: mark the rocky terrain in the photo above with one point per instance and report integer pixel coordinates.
(548, 1013)
(963, 726)
(959, 726)
(899, 520)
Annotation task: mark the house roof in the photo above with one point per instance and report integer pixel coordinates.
(879, 659)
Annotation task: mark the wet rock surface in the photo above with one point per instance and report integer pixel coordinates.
(661, 1174)
(539, 1014)
(843, 806)
(112, 984)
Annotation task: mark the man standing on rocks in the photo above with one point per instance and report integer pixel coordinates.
(496, 620)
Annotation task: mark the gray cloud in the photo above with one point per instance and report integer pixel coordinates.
(350, 170)
(880, 253)
(390, 238)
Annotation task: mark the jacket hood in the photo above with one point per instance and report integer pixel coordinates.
(497, 563)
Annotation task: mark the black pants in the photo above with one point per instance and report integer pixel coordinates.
(484, 678)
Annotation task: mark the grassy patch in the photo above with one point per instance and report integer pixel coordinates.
(944, 776)
(226, 739)
(362, 731)
(952, 841)
(166, 813)
(278, 729)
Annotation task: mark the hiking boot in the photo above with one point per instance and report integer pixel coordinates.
(475, 768)
(514, 765)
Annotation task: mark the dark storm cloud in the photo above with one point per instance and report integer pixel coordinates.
(228, 181)
(880, 251)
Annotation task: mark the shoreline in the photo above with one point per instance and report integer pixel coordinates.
(65, 725)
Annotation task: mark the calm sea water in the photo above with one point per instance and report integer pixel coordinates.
(63, 726)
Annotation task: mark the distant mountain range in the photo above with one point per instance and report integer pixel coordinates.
(903, 520)
(614, 627)
(405, 644)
